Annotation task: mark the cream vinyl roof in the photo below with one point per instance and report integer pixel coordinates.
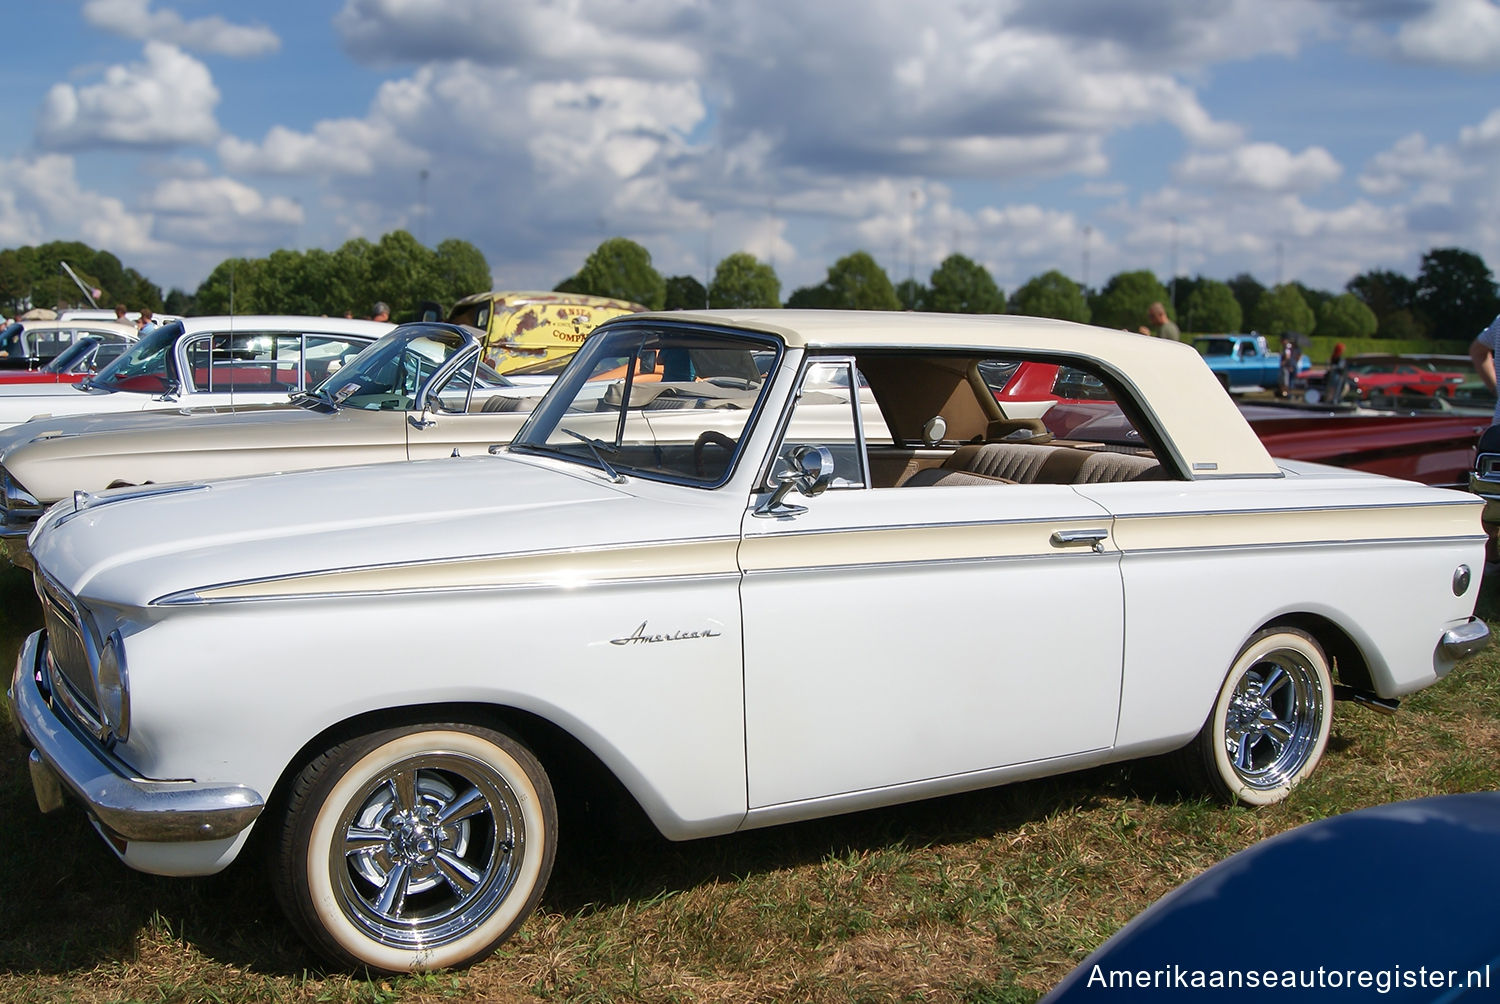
(1175, 384)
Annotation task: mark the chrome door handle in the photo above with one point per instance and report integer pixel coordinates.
(1094, 538)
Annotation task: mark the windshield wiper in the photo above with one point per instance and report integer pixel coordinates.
(597, 448)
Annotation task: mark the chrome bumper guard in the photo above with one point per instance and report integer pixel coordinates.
(65, 760)
(1466, 640)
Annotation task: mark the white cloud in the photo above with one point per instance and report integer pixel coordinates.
(41, 198)
(135, 19)
(1463, 33)
(555, 39)
(1262, 167)
(167, 100)
(221, 212)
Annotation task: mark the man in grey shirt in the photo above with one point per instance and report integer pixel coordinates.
(1159, 325)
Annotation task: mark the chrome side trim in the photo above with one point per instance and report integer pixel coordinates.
(192, 596)
(1466, 640)
(134, 808)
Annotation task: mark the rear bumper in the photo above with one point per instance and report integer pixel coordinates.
(1465, 640)
(67, 762)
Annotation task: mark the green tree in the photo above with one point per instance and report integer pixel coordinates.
(856, 282)
(685, 293)
(1392, 298)
(1051, 294)
(1456, 292)
(232, 287)
(1281, 309)
(1125, 299)
(1211, 308)
(913, 295)
(1247, 291)
(459, 270)
(819, 297)
(742, 280)
(962, 286)
(622, 269)
(1345, 316)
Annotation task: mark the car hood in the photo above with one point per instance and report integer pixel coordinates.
(383, 527)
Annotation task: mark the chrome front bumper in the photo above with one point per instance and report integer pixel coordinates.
(1466, 640)
(66, 761)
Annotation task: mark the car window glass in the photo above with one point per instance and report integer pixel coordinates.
(826, 414)
(387, 375)
(665, 402)
(146, 367)
(245, 361)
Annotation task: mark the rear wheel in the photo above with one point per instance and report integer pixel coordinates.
(416, 848)
(1269, 724)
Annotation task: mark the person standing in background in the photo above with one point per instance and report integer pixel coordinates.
(381, 312)
(1482, 352)
(1158, 325)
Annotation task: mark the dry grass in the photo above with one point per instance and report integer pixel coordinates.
(987, 897)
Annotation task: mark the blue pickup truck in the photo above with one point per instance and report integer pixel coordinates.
(1244, 361)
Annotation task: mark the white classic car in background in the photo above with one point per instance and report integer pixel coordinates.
(745, 615)
(203, 361)
(415, 393)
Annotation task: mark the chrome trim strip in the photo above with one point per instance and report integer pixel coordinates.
(191, 597)
(1466, 640)
(1202, 548)
(1072, 556)
(134, 808)
(465, 560)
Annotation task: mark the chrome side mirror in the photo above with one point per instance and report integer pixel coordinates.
(810, 473)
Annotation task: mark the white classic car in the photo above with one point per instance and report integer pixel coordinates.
(742, 615)
(203, 361)
(417, 392)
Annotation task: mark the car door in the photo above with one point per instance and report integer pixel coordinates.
(898, 635)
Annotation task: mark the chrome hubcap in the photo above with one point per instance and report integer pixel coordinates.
(1273, 720)
(428, 850)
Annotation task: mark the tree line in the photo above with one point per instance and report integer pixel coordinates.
(1453, 295)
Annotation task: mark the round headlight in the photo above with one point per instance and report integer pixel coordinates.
(1461, 579)
(114, 687)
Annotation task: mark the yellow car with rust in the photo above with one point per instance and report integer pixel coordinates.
(527, 328)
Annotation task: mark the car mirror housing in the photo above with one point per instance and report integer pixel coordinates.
(810, 473)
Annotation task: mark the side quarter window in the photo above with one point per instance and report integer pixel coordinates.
(828, 413)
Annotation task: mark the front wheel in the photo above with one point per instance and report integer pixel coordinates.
(1269, 724)
(416, 848)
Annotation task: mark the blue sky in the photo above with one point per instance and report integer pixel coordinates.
(1307, 139)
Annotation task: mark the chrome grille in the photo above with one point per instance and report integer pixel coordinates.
(67, 647)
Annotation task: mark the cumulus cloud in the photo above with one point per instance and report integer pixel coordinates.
(649, 38)
(1262, 167)
(1463, 33)
(166, 100)
(221, 212)
(42, 197)
(135, 19)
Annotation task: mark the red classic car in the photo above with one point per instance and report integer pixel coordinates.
(1435, 447)
(74, 364)
(1394, 376)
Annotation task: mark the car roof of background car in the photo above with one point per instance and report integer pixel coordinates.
(82, 324)
(1173, 381)
(286, 322)
(516, 297)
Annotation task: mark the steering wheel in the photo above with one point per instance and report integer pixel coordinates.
(709, 437)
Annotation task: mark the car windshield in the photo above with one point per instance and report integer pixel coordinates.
(661, 401)
(1215, 346)
(388, 375)
(72, 356)
(147, 368)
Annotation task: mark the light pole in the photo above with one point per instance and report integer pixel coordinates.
(1088, 235)
(1173, 279)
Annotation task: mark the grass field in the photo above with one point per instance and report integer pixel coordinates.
(991, 896)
